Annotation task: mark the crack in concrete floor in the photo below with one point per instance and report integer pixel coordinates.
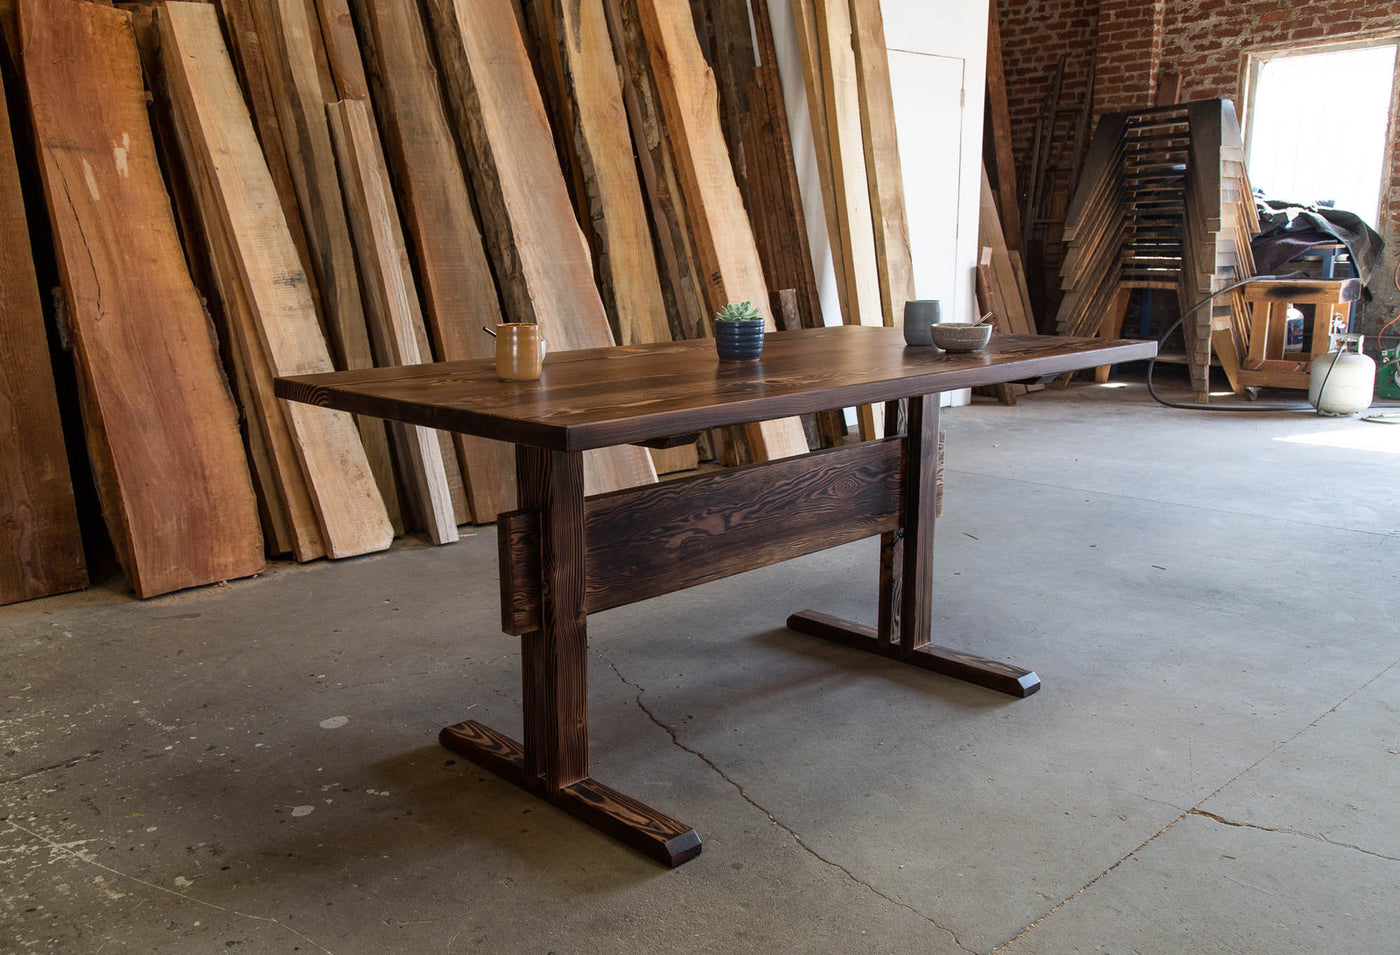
(743, 794)
(1197, 811)
(1314, 836)
(85, 858)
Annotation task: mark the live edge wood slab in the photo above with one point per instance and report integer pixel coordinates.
(564, 556)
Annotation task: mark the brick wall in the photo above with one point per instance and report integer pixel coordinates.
(1204, 40)
(1035, 34)
(1127, 54)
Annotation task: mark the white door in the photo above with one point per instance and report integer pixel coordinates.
(928, 113)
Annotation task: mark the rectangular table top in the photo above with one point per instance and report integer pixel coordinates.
(600, 397)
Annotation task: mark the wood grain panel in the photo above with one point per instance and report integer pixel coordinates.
(161, 423)
(348, 503)
(41, 549)
(542, 262)
(454, 276)
(392, 300)
(646, 542)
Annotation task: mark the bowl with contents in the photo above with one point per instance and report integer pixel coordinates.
(961, 336)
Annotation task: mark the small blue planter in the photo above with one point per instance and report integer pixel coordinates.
(739, 341)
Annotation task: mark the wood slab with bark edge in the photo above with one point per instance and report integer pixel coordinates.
(543, 266)
(161, 425)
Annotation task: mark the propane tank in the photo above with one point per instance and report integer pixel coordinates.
(1343, 381)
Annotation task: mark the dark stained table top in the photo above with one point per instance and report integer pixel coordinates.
(605, 396)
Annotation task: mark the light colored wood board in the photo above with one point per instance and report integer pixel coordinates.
(41, 548)
(301, 82)
(723, 236)
(172, 471)
(246, 47)
(342, 49)
(626, 258)
(844, 127)
(347, 500)
(289, 49)
(804, 14)
(454, 275)
(392, 299)
(681, 269)
(885, 178)
(542, 261)
(303, 527)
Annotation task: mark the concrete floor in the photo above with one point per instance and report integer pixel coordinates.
(1213, 764)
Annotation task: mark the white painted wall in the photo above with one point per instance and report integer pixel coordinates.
(938, 71)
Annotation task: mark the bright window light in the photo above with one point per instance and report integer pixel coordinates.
(1347, 93)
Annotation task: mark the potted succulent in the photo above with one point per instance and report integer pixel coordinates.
(739, 332)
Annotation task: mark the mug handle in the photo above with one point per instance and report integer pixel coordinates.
(544, 348)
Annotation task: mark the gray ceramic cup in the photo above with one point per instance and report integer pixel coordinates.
(919, 314)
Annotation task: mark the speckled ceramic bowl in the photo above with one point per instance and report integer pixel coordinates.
(961, 336)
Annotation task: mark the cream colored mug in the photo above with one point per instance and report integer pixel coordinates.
(520, 351)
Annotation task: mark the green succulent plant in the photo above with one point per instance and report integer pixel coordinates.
(738, 312)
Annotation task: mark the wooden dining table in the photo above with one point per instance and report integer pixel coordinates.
(564, 555)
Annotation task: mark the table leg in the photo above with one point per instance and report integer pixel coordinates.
(552, 762)
(906, 580)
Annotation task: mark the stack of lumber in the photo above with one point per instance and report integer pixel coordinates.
(244, 189)
(1163, 203)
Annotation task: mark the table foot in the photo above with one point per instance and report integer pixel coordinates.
(1002, 677)
(632, 823)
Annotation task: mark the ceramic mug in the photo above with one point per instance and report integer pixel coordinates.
(919, 315)
(520, 351)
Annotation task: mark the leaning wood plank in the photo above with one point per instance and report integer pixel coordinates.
(814, 33)
(885, 179)
(627, 266)
(246, 47)
(453, 273)
(626, 263)
(285, 483)
(161, 424)
(684, 287)
(342, 49)
(724, 238)
(804, 14)
(542, 261)
(291, 38)
(393, 299)
(352, 513)
(997, 154)
(844, 127)
(202, 254)
(41, 550)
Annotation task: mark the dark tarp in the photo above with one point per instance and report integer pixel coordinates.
(1289, 229)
